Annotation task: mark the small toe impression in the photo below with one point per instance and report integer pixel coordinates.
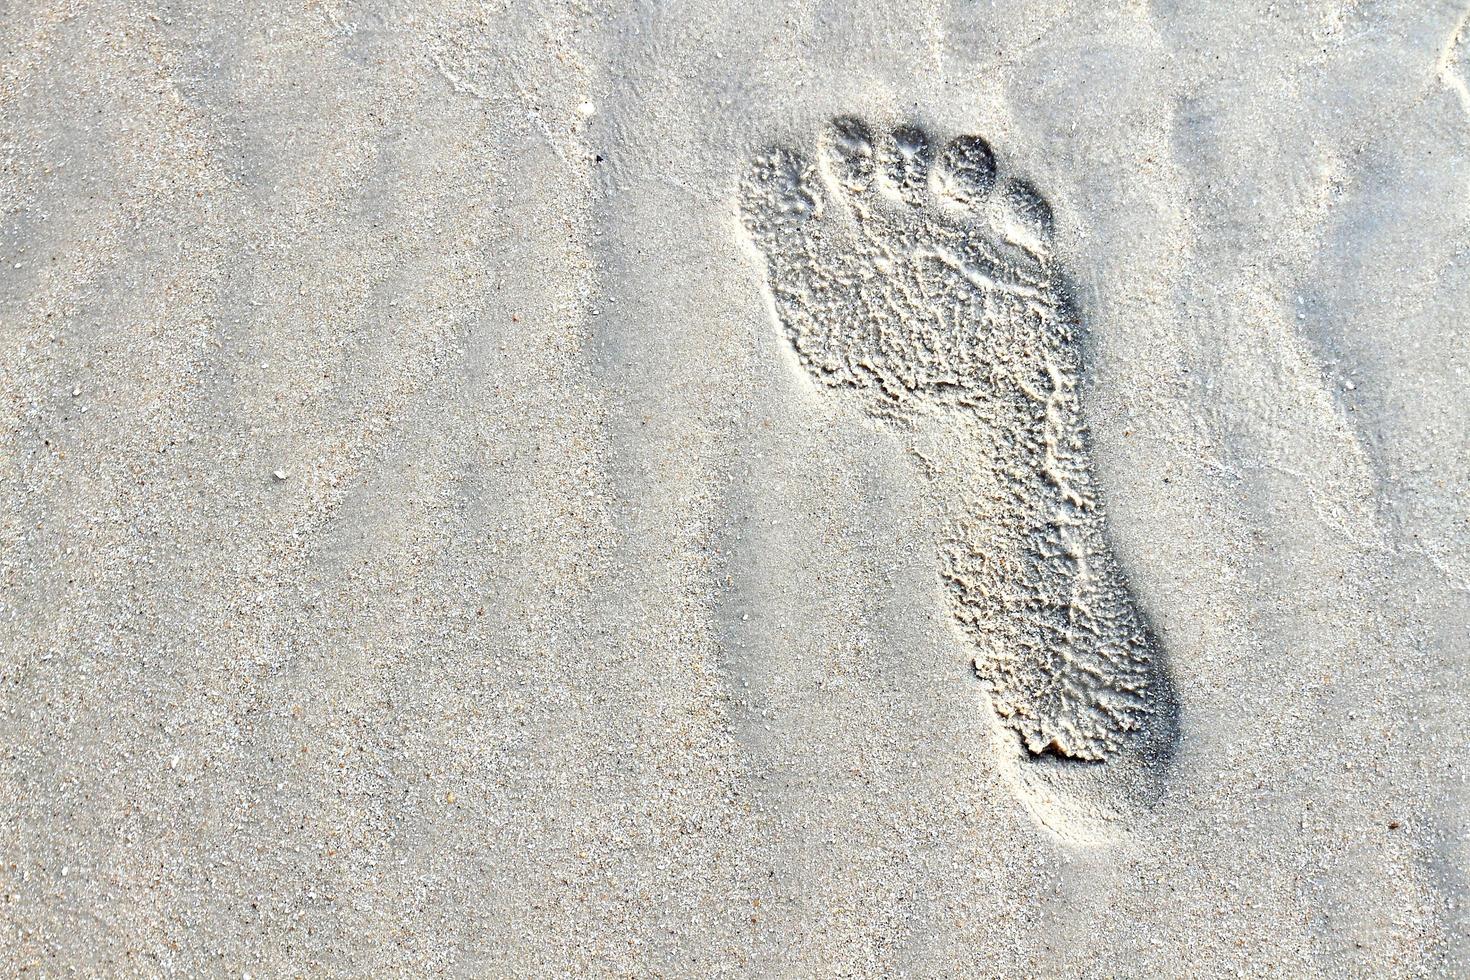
(1027, 217)
(905, 158)
(780, 188)
(848, 152)
(967, 169)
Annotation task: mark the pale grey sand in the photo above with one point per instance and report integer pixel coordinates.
(430, 545)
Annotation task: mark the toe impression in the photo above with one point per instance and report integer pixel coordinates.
(848, 153)
(967, 169)
(778, 192)
(905, 157)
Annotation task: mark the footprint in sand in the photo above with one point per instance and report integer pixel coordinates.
(910, 276)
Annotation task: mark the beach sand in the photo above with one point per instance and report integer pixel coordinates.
(932, 489)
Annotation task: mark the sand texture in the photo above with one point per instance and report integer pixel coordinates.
(931, 489)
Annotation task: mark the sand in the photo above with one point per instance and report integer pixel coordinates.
(454, 524)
